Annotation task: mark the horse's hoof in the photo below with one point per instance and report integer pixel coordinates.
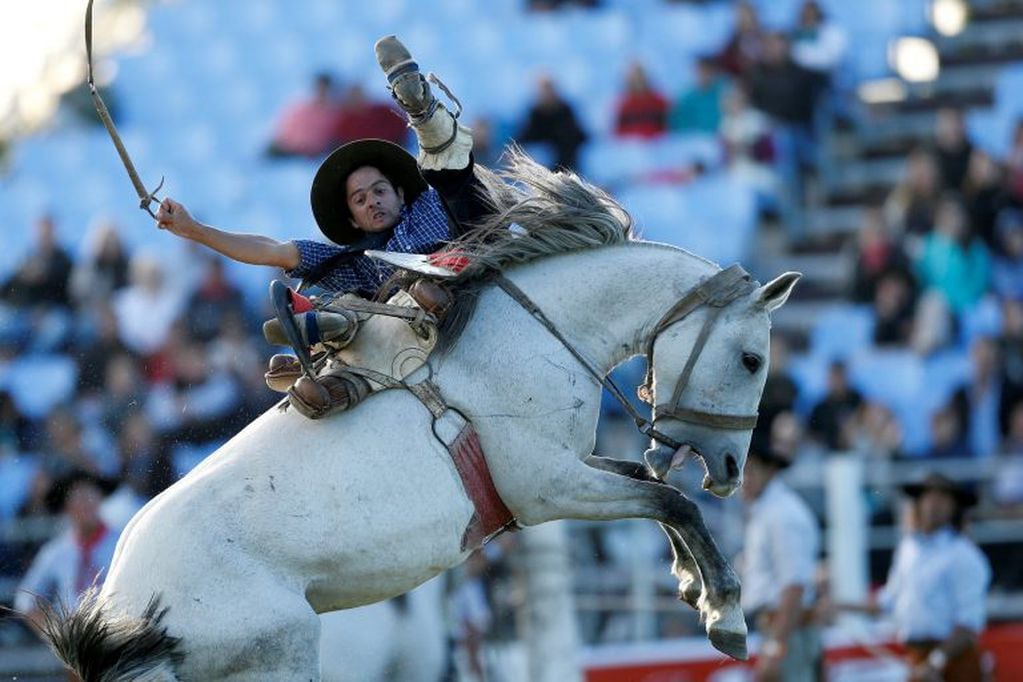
(729, 643)
(726, 629)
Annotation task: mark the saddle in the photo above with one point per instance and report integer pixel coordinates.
(347, 347)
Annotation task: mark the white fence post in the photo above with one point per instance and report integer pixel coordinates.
(848, 526)
(551, 636)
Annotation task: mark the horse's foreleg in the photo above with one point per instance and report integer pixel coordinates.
(683, 565)
(585, 492)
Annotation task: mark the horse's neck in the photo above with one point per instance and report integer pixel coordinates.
(607, 301)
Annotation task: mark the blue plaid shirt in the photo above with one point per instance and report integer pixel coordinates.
(422, 228)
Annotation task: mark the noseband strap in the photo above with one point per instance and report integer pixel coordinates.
(716, 292)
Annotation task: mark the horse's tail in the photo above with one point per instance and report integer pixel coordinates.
(103, 648)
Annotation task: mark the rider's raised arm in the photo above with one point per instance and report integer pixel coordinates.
(246, 248)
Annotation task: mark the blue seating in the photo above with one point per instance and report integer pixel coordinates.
(841, 331)
(38, 383)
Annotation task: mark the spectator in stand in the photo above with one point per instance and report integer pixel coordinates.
(148, 307)
(1014, 165)
(215, 298)
(93, 355)
(937, 586)
(952, 261)
(782, 540)
(144, 461)
(1006, 489)
(243, 358)
(65, 448)
(17, 469)
(912, 204)
(15, 427)
(124, 391)
(749, 147)
(1007, 270)
(103, 267)
(486, 150)
(361, 118)
(952, 148)
(949, 439)
(75, 560)
(985, 196)
(698, 109)
(829, 418)
(894, 302)
(983, 397)
(818, 45)
(787, 93)
(876, 254)
(1011, 352)
(200, 403)
(642, 111)
(745, 46)
(309, 127)
(42, 278)
(874, 431)
(552, 121)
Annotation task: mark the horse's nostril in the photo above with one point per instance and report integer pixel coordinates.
(732, 467)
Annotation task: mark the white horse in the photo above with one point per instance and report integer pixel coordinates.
(222, 576)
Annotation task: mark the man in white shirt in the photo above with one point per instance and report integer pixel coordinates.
(779, 560)
(937, 585)
(72, 562)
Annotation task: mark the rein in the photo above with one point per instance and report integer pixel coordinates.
(716, 292)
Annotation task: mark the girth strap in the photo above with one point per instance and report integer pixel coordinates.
(454, 430)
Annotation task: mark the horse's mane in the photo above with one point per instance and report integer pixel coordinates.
(534, 213)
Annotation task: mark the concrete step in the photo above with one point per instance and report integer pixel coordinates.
(865, 177)
(962, 86)
(835, 220)
(796, 318)
(998, 40)
(825, 276)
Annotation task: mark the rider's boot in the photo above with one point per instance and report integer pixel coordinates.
(334, 390)
(283, 371)
(314, 326)
(443, 143)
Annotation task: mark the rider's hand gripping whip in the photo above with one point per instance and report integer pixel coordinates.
(145, 198)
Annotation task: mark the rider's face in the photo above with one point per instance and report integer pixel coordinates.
(374, 203)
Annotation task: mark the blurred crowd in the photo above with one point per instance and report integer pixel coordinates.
(162, 359)
(152, 364)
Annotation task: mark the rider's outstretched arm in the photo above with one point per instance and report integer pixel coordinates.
(246, 248)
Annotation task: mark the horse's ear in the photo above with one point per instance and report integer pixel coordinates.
(774, 294)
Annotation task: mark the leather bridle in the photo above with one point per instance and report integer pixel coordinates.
(716, 292)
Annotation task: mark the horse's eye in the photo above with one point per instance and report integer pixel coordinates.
(751, 362)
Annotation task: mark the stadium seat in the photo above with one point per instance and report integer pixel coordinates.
(38, 383)
(841, 331)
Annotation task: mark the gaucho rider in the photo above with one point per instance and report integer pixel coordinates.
(368, 194)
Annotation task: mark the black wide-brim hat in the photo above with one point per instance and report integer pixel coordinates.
(964, 496)
(329, 195)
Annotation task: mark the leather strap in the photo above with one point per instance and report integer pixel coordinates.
(717, 292)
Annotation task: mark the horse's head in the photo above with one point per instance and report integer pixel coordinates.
(709, 369)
